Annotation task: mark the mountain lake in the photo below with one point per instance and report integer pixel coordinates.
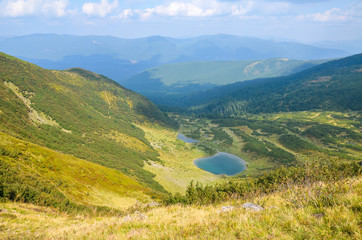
(186, 139)
(220, 163)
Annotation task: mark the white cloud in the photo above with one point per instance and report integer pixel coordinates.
(187, 9)
(100, 9)
(125, 14)
(193, 8)
(333, 15)
(57, 8)
(21, 8)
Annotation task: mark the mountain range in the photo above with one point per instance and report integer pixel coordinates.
(120, 58)
(185, 78)
(334, 85)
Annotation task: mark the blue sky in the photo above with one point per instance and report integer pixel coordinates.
(302, 20)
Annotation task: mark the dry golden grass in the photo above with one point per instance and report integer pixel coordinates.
(289, 214)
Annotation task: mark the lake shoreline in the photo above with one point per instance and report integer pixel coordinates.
(230, 164)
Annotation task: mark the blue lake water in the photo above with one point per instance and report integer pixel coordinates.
(186, 139)
(221, 163)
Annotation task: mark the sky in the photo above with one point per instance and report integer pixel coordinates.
(296, 20)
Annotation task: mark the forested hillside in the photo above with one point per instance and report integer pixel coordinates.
(163, 82)
(335, 85)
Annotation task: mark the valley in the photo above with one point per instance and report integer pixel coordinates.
(267, 141)
(82, 152)
(180, 119)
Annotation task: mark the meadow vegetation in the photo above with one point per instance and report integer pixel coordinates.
(326, 207)
(268, 141)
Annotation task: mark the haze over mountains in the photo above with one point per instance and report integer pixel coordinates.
(185, 78)
(119, 58)
(335, 85)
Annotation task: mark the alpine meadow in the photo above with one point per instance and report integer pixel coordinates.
(187, 119)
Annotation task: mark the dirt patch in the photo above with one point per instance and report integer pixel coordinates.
(320, 80)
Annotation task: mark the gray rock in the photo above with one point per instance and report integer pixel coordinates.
(128, 218)
(153, 204)
(226, 209)
(252, 206)
(318, 215)
(139, 216)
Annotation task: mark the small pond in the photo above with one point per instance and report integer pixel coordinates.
(186, 139)
(221, 163)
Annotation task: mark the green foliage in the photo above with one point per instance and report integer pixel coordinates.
(282, 178)
(222, 136)
(328, 134)
(295, 143)
(265, 149)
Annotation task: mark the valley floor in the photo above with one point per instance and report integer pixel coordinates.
(329, 210)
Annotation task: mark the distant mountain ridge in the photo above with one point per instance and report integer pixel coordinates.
(96, 53)
(335, 85)
(184, 78)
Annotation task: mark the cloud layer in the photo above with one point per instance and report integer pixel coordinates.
(176, 9)
(22, 8)
(197, 8)
(100, 9)
(298, 19)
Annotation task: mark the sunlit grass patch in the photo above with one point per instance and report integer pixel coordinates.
(177, 168)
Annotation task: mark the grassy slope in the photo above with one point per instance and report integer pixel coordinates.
(177, 168)
(79, 113)
(318, 211)
(86, 115)
(28, 168)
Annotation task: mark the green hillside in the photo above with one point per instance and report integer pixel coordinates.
(33, 174)
(193, 76)
(335, 85)
(80, 113)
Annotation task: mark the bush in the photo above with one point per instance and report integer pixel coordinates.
(325, 171)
